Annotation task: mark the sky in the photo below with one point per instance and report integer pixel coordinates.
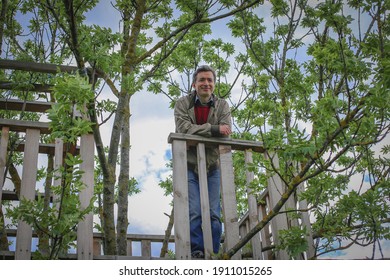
(151, 123)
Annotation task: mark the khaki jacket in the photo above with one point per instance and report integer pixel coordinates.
(186, 123)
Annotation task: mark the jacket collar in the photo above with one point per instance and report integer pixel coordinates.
(195, 98)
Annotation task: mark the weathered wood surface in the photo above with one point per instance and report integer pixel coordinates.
(253, 214)
(276, 188)
(3, 158)
(21, 105)
(204, 201)
(236, 144)
(85, 227)
(229, 202)
(36, 67)
(22, 126)
(181, 208)
(29, 176)
(7, 85)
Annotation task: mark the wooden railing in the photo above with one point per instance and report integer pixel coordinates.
(139, 246)
(31, 149)
(262, 243)
(88, 242)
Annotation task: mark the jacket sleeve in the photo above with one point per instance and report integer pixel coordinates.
(184, 123)
(223, 117)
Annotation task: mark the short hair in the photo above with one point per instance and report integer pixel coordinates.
(203, 68)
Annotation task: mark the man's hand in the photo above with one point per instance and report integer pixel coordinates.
(225, 129)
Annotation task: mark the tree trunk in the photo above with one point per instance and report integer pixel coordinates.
(123, 182)
(168, 231)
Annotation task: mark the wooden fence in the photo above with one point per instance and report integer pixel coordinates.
(31, 148)
(88, 242)
(234, 229)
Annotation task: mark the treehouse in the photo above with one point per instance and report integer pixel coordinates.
(238, 231)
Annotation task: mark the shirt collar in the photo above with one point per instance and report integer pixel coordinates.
(210, 102)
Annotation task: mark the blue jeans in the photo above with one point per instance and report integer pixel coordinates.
(196, 233)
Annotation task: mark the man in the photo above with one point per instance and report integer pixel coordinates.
(202, 113)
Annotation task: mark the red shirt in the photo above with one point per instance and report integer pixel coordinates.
(201, 113)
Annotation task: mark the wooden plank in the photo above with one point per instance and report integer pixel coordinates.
(311, 251)
(85, 227)
(146, 248)
(180, 200)
(11, 195)
(97, 246)
(235, 144)
(204, 201)
(29, 176)
(265, 232)
(58, 159)
(3, 158)
(36, 67)
(43, 148)
(140, 237)
(252, 208)
(26, 87)
(229, 202)
(21, 105)
(279, 222)
(22, 126)
(130, 237)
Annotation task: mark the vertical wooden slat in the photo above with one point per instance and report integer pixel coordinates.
(180, 200)
(97, 246)
(29, 176)
(146, 249)
(264, 236)
(229, 202)
(306, 222)
(129, 248)
(3, 158)
(279, 222)
(58, 158)
(252, 208)
(204, 201)
(85, 227)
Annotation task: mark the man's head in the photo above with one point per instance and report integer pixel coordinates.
(204, 82)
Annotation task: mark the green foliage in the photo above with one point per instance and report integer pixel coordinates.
(318, 97)
(72, 93)
(293, 241)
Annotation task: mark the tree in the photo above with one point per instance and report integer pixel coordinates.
(319, 98)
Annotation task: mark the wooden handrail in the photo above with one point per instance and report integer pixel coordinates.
(235, 144)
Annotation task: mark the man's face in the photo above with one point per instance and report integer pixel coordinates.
(204, 84)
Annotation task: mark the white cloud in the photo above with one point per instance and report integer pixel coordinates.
(150, 128)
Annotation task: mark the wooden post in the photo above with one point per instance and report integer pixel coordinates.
(275, 190)
(229, 202)
(29, 176)
(204, 201)
(265, 232)
(85, 227)
(180, 200)
(306, 223)
(146, 249)
(252, 209)
(3, 157)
